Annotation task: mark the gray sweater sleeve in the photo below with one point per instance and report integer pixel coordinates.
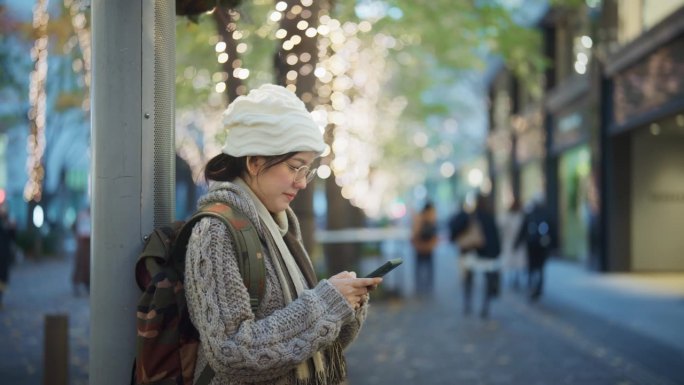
(237, 345)
(350, 330)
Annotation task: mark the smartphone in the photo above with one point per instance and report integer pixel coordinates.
(385, 268)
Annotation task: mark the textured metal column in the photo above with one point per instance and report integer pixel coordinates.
(158, 95)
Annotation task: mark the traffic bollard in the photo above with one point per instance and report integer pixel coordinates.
(56, 350)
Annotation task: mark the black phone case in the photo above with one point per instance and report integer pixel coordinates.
(385, 268)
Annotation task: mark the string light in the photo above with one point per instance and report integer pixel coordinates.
(350, 73)
(311, 32)
(292, 59)
(281, 6)
(79, 24)
(37, 105)
(281, 33)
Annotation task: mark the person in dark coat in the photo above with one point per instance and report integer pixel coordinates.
(81, 274)
(7, 235)
(535, 234)
(480, 256)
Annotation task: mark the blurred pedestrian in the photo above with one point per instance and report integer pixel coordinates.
(476, 234)
(7, 237)
(535, 234)
(80, 278)
(424, 239)
(513, 256)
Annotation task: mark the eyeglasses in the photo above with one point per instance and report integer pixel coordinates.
(303, 172)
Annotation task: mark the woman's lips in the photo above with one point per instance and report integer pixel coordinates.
(291, 197)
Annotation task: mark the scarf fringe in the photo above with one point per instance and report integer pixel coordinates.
(337, 365)
(335, 369)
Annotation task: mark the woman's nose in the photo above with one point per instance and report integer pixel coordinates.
(301, 183)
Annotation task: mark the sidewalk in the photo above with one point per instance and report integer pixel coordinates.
(588, 328)
(35, 290)
(648, 303)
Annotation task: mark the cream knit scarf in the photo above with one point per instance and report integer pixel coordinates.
(277, 226)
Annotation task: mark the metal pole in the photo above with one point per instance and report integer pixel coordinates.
(133, 167)
(116, 183)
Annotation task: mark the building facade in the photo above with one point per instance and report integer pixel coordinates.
(605, 144)
(642, 135)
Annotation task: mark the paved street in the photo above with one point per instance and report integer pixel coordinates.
(569, 337)
(35, 290)
(588, 329)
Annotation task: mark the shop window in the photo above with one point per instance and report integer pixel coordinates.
(637, 16)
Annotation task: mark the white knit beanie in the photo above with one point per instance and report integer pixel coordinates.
(270, 120)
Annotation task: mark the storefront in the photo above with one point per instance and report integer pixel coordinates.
(571, 122)
(645, 151)
(574, 211)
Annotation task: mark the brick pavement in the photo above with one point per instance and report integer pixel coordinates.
(37, 289)
(430, 341)
(412, 340)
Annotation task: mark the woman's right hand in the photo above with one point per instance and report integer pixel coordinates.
(353, 289)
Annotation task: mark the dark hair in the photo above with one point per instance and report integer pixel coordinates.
(225, 168)
(483, 203)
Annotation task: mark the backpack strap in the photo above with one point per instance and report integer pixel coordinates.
(250, 256)
(206, 376)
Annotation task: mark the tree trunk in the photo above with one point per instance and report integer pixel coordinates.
(225, 25)
(341, 215)
(306, 89)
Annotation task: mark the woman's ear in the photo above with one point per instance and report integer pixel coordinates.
(254, 164)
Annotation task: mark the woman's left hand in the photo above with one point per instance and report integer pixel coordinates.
(355, 290)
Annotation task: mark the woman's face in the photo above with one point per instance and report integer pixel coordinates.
(278, 185)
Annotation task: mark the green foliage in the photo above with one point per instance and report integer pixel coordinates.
(453, 35)
(439, 43)
(197, 62)
(36, 245)
(195, 41)
(260, 39)
(434, 35)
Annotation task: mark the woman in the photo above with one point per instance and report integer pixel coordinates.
(7, 236)
(298, 332)
(481, 257)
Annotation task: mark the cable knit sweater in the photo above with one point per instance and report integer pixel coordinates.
(242, 347)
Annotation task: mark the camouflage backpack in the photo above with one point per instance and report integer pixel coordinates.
(167, 342)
